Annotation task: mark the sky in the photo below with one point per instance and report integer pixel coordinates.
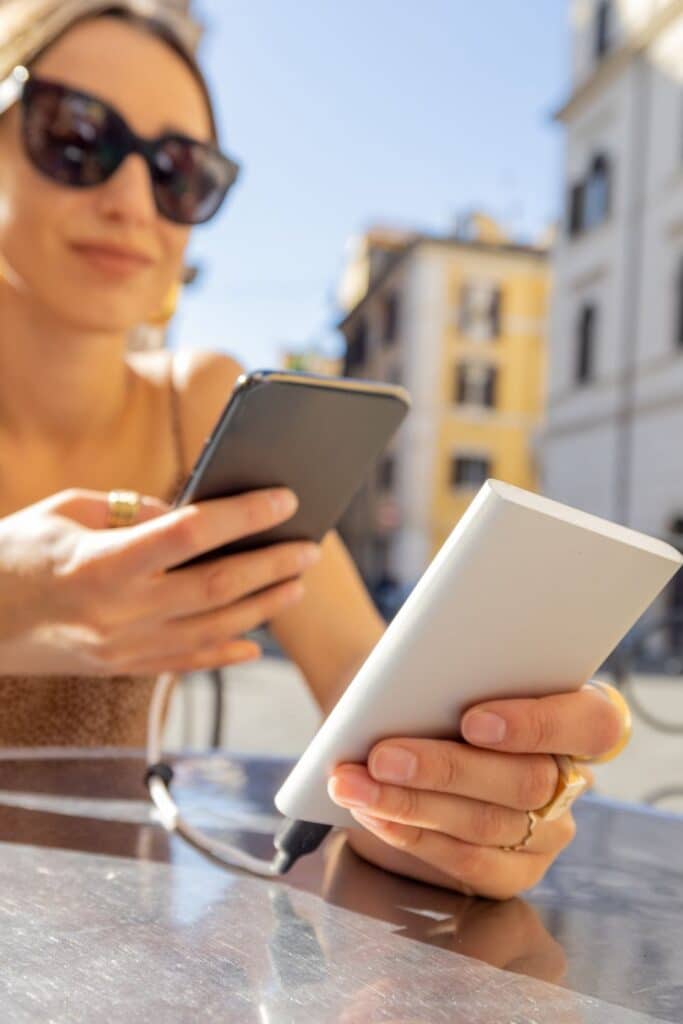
(348, 114)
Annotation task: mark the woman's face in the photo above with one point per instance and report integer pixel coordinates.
(44, 225)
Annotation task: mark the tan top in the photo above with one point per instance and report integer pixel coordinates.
(57, 711)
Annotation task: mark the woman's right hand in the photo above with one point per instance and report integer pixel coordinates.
(79, 598)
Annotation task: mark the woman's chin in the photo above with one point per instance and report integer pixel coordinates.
(100, 317)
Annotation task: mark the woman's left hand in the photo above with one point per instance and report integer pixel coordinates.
(442, 811)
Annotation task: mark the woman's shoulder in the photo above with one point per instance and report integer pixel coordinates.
(192, 370)
(202, 382)
(202, 375)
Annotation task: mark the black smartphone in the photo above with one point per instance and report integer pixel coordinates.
(316, 435)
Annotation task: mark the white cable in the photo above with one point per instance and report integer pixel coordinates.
(155, 724)
(166, 806)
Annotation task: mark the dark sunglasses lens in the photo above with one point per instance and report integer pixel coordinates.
(69, 137)
(190, 179)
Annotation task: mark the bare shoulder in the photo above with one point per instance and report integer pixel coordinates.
(204, 382)
(197, 373)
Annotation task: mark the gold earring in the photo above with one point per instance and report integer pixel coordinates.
(168, 308)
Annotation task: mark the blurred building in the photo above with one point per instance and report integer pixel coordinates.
(612, 443)
(312, 360)
(460, 321)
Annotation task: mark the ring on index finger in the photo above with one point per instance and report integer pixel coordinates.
(570, 785)
(124, 507)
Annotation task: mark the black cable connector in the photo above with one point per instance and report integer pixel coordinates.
(159, 770)
(294, 839)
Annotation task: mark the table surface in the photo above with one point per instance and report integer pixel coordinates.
(105, 917)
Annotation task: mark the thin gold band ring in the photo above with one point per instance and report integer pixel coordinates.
(570, 785)
(532, 821)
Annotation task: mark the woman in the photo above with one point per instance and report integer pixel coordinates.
(94, 222)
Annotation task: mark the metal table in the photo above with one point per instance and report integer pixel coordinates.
(104, 918)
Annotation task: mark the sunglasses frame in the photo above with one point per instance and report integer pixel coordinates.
(17, 88)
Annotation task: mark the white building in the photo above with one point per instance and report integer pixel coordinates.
(613, 439)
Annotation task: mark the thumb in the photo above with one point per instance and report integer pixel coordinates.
(91, 508)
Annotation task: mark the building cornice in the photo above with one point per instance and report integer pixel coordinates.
(490, 248)
(392, 263)
(611, 66)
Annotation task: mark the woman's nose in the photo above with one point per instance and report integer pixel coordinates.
(127, 196)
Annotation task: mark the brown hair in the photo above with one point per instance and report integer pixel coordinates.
(161, 30)
(28, 28)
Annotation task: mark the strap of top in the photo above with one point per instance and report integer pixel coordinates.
(182, 468)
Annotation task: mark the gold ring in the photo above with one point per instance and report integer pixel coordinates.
(532, 820)
(124, 507)
(570, 785)
(618, 701)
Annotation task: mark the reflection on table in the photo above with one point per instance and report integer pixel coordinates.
(106, 915)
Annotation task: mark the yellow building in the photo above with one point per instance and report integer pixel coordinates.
(312, 360)
(460, 321)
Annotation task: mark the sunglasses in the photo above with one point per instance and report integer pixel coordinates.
(79, 141)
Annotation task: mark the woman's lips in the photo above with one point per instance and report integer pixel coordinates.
(111, 260)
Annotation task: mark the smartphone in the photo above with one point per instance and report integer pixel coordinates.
(527, 597)
(318, 436)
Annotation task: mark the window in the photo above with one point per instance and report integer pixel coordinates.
(596, 193)
(576, 209)
(385, 474)
(475, 384)
(589, 200)
(679, 305)
(464, 308)
(677, 527)
(479, 310)
(390, 318)
(469, 470)
(494, 312)
(357, 347)
(603, 28)
(585, 361)
(675, 595)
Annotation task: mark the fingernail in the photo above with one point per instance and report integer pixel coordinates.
(285, 502)
(393, 764)
(309, 556)
(353, 789)
(483, 727)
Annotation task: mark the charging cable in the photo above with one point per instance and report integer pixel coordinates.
(293, 840)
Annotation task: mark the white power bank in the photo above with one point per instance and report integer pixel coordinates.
(526, 597)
